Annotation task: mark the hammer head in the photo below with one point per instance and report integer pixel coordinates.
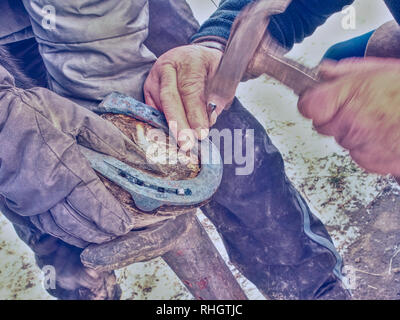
(247, 34)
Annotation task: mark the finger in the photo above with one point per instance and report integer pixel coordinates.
(195, 107)
(323, 102)
(94, 203)
(173, 108)
(212, 92)
(349, 128)
(149, 100)
(373, 159)
(151, 89)
(337, 127)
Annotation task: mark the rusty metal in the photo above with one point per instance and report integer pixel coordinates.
(122, 104)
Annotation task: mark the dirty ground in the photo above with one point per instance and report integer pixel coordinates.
(361, 210)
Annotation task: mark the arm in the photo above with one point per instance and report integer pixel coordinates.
(361, 110)
(299, 21)
(176, 83)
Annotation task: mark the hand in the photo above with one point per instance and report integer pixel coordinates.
(176, 86)
(44, 176)
(360, 107)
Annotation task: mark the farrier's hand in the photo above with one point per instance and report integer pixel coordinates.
(360, 107)
(176, 86)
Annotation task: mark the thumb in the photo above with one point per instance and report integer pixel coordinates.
(322, 103)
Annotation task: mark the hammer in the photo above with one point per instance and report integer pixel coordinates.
(251, 47)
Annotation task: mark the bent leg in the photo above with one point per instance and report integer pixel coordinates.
(270, 234)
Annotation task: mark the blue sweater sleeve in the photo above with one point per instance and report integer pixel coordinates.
(300, 19)
(394, 7)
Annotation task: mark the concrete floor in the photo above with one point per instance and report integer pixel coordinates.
(345, 198)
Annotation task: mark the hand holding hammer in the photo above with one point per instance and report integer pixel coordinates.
(356, 100)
